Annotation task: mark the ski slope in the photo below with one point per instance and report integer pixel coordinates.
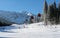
(35, 30)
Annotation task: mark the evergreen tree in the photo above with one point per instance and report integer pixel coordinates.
(55, 13)
(59, 11)
(51, 14)
(59, 7)
(54, 5)
(45, 12)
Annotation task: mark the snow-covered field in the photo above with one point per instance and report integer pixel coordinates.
(36, 30)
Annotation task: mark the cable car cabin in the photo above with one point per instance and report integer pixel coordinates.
(39, 15)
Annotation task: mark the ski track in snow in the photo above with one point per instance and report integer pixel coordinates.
(36, 30)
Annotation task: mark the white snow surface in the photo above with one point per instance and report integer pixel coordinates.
(35, 30)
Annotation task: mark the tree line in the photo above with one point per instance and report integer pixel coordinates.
(51, 13)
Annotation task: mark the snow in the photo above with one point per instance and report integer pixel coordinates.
(35, 30)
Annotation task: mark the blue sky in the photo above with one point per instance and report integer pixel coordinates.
(33, 6)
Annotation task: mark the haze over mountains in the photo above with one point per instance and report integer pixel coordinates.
(14, 17)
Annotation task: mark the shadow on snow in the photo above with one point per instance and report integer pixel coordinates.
(7, 29)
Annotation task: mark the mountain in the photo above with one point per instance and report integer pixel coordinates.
(14, 17)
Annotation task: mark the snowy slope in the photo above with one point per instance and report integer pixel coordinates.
(36, 30)
(13, 17)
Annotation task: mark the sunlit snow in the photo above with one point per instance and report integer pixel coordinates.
(36, 30)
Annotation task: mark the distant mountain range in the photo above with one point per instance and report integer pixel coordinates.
(14, 17)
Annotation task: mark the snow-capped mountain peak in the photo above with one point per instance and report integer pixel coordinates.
(14, 17)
